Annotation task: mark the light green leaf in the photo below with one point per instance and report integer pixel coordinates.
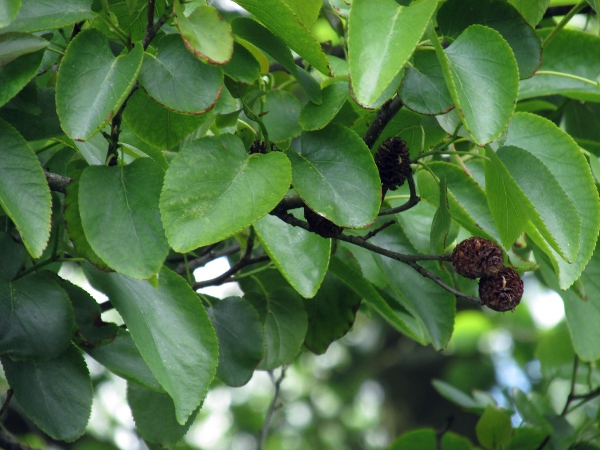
(307, 11)
(214, 189)
(155, 416)
(36, 318)
(8, 11)
(281, 110)
(278, 17)
(92, 84)
(13, 45)
(56, 393)
(120, 216)
(15, 75)
(178, 80)
(205, 33)
(183, 358)
(532, 10)
(335, 175)
(301, 257)
(561, 155)
(241, 340)
(382, 35)
(38, 15)
(529, 411)
(341, 8)
(494, 428)
(567, 69)
(315, 117)
(24, 192)
(455, 395)
(440, 227)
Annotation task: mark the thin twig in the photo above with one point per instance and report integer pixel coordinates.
(106, 306)
(153, 30)
(149, 24)
(565, 20)
(410, 203)
(439, 435)
(195, 263)
(370, 234)
(384, 115)
(265, 429)
(9, 395)
(226, 277)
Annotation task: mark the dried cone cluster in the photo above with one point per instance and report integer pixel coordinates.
(393, 162)
(259, 146)
(500, 288)
(321, 225)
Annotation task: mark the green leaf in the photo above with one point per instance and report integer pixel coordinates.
(423, 439)
(565, 70)
(241, 340)
(532, 10)
(526, 437)
(315, 117)
(13, 45)
(122, 358)
(183, 358)
(24, 192)
(331, 314)
(120, 216)
(36, 318)
(205, 33)
(278, 17)
(494, 428)
(45, 118)
(545, 196)
(341, 8)
(281, 110)
(243, 66)
(335, 175)
(214, 189)
(92, 84)
(529, 411)
(301, 257)
(455, 16)
(38, 15)
(507, 202)
(56, 394)
(555, 353)
(561, 155)
(432, 306)
(423, 87)
(155, 416)
(8, 11)
(178, 80)
(156, 125)
(455, 395)
(14, 255)
(283, 314)
(15, 75)
(440, 227)
(306, 11)
(382, 35)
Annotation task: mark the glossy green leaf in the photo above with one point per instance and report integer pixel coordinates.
(432, 306)
(13, 45)
(36, 318)
(214, 189)
(278, 17)
(157, 125)
(455, 16)
(8, 11)
(315, 117)
(331, 313)
(241, 340)
(483, 79)
(307, 11)
(178, 80)
(423, 87)
(15, 75)
(24, 192)
(335, 175)
(37, 15)
(567, 69)
(561, 155)
(56, 393)
(545, 196)
(183, 358)
(440, 227)
(506, 200)
(532, 10)
(120, 216)
(243, 66)
(494, 428)
(382, 35)
(155, 416)
(92, 84)
(301, 257)
(122, 358)
(205, 33)
(283, 315)
(280, 111)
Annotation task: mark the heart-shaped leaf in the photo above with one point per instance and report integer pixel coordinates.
(214, 189)
(92, 84)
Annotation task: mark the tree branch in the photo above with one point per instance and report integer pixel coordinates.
(384, 115)
(411, 202)
(265, 430)
(9, 395)
(205, 259)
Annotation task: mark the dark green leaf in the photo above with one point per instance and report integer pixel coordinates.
(207, 196)
(241, 340)
(13, 45)
(307, 11)
(24, 192)
(92, 84)
(37, 15)
(183, 358)
(243, 67)
(56, 394)
(529, 412)
(13, 256)
(335, 175)
(526, 438)
(178, 80)
(315, 117)
(555, 353)
(17, 73)
(280, 111)
(440, 227)
(120, 216)
(532, 10)
(494, 428)
(8, 11)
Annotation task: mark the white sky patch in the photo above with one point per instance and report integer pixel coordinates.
(545, 305)
(212, 270)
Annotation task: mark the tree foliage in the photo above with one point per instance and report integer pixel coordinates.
(141, 140)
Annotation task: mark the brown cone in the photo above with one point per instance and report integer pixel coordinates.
(321, 225)
(393, 162)
(477, 257)
(501, 291)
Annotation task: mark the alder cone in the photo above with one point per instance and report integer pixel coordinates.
(477, 257)
(393, 162)
(320, 225)
(501, 291)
